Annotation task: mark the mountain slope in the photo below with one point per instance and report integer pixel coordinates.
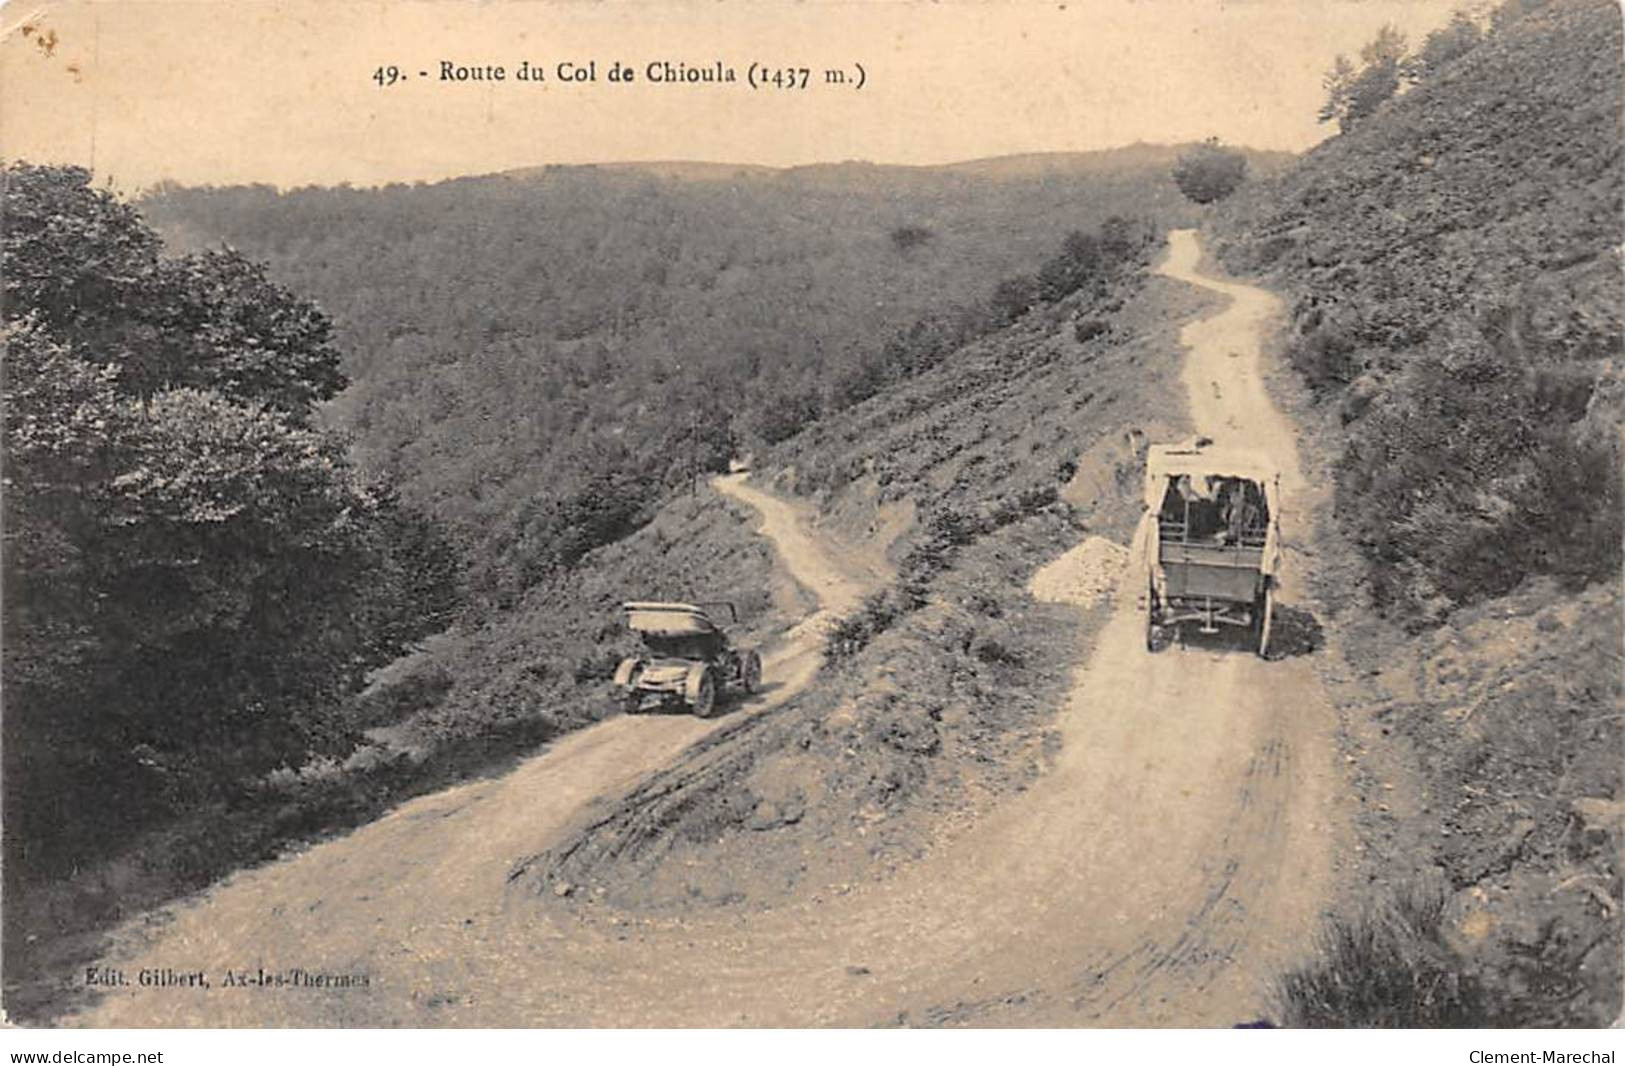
(1458, 292)
(523, 436)
(1145, 856)
(1457, 301)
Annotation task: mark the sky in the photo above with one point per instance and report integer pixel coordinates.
(286, 92)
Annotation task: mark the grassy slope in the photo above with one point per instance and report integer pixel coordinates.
(1488, 747)
(1024, 441)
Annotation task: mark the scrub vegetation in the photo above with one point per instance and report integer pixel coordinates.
(1451, 262)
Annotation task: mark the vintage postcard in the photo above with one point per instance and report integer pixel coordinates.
(1085, 514)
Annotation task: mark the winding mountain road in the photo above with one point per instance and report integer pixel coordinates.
(1173, 859)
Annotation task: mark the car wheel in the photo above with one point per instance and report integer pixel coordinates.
(750, 672)
(702, 692)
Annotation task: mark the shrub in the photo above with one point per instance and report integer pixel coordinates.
(1089, 328)
(852, 632)
(1079, 261)
(1386, 969)
(1014, 297)
(1353, 94)
(1325, 357)
(907, 238)
(1210, 171)
(596, 666)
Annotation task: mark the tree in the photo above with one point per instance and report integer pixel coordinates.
(75, 256)
(781, 412)
(1353, 94)
(1444, 46)
(88, 271)
(1210, 171)
(1507, 12)
(242, 335)
(194, 577)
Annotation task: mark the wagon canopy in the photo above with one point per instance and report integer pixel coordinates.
(669, 619)
(1202, 461)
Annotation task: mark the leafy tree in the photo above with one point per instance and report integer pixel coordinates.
(1210, 171)
(243, 336)
(194, 577)
(1444, 46)
(1353, 94)
(88, 271)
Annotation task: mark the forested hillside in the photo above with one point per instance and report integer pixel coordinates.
(536, 357)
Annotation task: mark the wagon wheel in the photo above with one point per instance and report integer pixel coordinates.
(1266, 609)
(702, 692)
(750, 672)
(1152, 630)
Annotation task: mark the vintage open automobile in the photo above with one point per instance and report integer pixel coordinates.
(1211, 540)
(688, 658)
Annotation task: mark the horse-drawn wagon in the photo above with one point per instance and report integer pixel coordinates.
(1211, 540)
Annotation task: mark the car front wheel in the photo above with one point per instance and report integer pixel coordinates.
(702, 692)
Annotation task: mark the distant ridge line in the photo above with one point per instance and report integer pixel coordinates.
(1015, 165)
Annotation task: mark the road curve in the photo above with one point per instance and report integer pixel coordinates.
(361, 904)
(1174, 858)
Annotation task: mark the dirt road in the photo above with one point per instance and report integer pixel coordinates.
(1175, 857)
(358, 905)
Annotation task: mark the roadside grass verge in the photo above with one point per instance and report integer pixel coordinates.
(1384, 969)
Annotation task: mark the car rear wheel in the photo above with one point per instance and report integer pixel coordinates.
(750, 672)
